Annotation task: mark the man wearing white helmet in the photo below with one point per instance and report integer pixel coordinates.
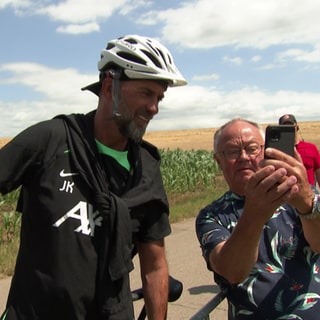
(92, 196)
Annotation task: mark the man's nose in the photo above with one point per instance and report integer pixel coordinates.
(153, 107)
(244, 154)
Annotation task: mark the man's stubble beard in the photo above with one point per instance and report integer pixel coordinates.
(127, 126)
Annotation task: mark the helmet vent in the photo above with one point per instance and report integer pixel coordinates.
(164, 58)
(152, 58)
(110, 46)
(131, 57)
(130, 40)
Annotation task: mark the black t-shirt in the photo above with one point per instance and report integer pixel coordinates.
(55, 275)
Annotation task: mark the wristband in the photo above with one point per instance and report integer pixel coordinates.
(315, 212)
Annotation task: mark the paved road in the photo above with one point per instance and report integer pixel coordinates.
(186, 265)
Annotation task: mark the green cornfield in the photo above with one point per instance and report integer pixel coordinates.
(9, 232)
(188, 171)
(190, 178)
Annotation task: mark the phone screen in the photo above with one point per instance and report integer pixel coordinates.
(281, 138)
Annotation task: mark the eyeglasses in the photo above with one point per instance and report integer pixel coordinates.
(251, 150)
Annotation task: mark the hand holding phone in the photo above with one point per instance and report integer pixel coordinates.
(281, 137)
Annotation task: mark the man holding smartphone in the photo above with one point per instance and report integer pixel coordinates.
(262, 237)
(308, 151)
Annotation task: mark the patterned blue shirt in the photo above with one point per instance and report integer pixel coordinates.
(285, 281)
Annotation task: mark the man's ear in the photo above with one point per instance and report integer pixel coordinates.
(216, 157)
(297, 128)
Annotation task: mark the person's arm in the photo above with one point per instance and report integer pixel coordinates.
(234, 258)
(155, 276)
(311, 227)
(311, 230)
(302, 196)
(317, 175)
(20, 154)
(316, 161)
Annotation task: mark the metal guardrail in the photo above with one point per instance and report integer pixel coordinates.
(204, 312)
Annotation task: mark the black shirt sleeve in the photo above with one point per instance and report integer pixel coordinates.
(150, 222)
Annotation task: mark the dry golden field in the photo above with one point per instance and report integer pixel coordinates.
(202, 138)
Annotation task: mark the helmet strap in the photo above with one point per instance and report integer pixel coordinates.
(116, 75)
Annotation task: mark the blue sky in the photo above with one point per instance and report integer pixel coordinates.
(252, 58)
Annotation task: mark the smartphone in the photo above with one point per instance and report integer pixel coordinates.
(281, 138)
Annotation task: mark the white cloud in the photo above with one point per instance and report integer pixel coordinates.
(59, 89)
(61, 85)
(206, 77)
(134, 4)
(74, 12)
(79, 29)
(183, 107)
(82, 11)
(256, 58)
(295, 54)
(247, 23)
(15, 4)
(236, 60)
(271, 66)
(233, 34)
(80, 16)
(196, 107)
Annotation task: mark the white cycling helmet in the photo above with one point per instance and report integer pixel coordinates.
(139, 58)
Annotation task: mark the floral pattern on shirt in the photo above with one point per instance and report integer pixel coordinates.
(285, 281)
